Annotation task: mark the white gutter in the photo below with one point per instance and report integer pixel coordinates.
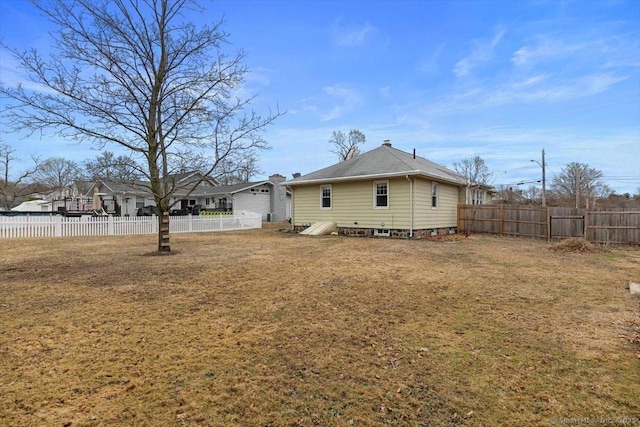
(373, 176)
(410, 206)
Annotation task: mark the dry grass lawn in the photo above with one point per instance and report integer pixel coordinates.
(264, 328)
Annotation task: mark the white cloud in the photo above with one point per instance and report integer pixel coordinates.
(481, 53)
(352, 36)
(598, 47)
(432, 63)
(258, 76)
(349, 99)
(542, 90)
(385, 91)
(537, 89)
(544, 49)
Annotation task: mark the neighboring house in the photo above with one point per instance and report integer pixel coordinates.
(480, 194)
(268, 198)
(383, 192)
(125, 198)
(265, 197)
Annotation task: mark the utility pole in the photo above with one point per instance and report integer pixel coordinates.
(577, 179)
(544, 188)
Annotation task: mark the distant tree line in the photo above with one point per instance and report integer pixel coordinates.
(577, 185)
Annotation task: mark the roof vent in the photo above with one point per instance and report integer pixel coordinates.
(386, 143)
(296, 175)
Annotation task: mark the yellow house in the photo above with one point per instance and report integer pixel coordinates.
(383, 192)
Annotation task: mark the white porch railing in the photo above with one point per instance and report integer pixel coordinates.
(59, 226)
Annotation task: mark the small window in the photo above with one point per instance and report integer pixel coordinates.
(381, 194)
(139, 202)
(382, 232)
(434, 195)
(325, 197)
(476, 197)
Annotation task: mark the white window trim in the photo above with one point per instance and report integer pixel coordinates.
(385, 232)
(435, 185)
(322, 187)
(375, 194)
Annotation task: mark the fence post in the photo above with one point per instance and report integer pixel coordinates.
(190, 222)
(586, 223)
(459, 225)
(548, 224)
(501, 219)
(58, 225)
(110, 231)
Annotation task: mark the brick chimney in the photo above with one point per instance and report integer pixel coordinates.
(278, 198)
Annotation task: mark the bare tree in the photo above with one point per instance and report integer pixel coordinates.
(532, 194)
(236, 171)
(577, 181)
(475, 170)
(13, 185)
(107, 166)
(477, 174)
(140, 75)
(346, 146)
(57, 173)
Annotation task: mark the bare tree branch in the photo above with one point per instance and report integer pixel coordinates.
(14, 185)
(346, 147)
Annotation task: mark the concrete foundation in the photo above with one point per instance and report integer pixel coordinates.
(392, 233)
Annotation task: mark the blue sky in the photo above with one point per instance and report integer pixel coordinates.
(452, 79)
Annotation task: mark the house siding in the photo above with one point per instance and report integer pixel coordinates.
(352, 206)
(257, 201)
(445, 215)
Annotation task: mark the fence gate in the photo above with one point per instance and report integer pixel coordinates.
(565, 226)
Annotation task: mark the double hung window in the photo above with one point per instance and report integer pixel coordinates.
(325, 197)
(434, 195)
(381, 194)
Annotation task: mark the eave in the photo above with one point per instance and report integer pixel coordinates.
(373, 177)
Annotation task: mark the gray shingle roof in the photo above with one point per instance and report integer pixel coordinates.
(384, 161)
(227, 189)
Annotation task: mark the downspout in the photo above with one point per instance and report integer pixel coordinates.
(410, 206)
(293, 204)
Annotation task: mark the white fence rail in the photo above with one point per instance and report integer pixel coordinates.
(59, 226)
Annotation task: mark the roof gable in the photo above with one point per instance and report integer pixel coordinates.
(384, 161)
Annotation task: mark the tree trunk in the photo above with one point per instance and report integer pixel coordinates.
(163, 232)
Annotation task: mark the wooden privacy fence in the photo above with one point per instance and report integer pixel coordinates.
(59, 226)
(606, 227)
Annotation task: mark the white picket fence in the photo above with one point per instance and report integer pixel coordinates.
(59, 226)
